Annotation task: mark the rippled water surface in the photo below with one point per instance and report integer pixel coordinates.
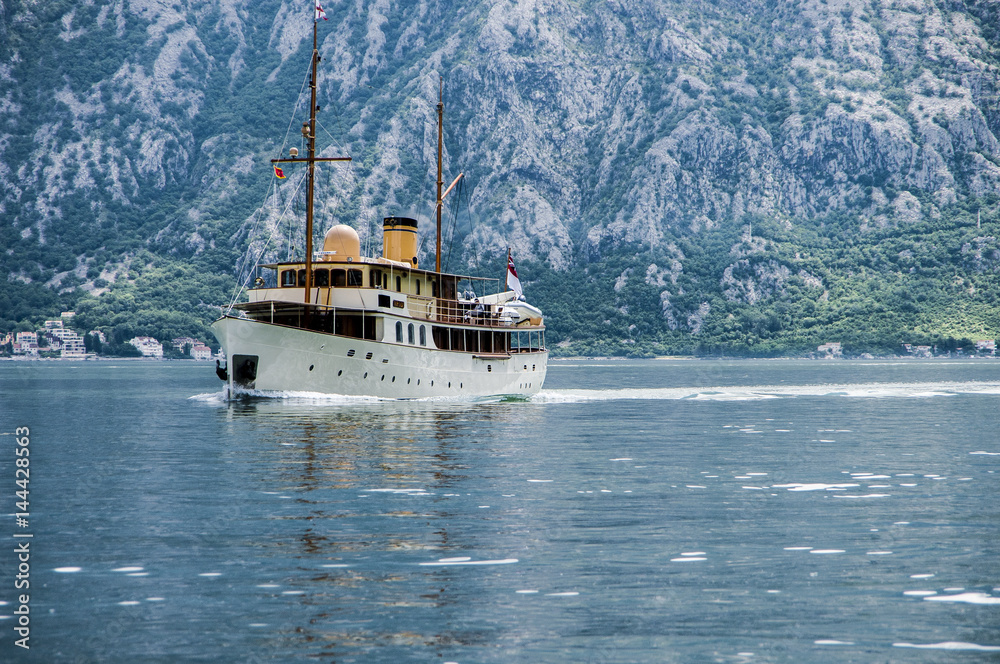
(647, 511)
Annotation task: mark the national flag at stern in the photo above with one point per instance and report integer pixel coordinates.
(320, 14)
(280, 174)
(513, 283)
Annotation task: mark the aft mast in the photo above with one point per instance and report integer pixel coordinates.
(440, 181)
(309, 133)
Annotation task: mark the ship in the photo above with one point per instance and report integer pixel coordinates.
(340, 323)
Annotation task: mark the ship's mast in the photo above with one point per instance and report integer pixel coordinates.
(440, 181)
(311, 156)
(309, 133)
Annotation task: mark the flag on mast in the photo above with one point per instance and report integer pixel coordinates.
(278, 173)
(513, 283)
(320, 14)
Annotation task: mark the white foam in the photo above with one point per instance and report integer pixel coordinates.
(527, 592)
(542, 481)
(798, 548)
(757, 474)
(879, 553)
(293, 592)
(694, 553)
(827, 551)
(128, 603)
(696, 486)
(210, 574)
(815, 486)
(268, 585)
(949, 645)
(920, 593)
(138, 574)
(760, 392)
(966, 598)
(832, 642)
(155, 599)
(67, 570)
(336, 565)
(986, 453)
(921, 576)
(571, 593)
(127, 569)
(687, 559)
(443, 563)
(622, 459)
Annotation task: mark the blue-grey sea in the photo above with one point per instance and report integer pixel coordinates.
(633, 512)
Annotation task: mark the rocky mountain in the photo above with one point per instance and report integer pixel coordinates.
(701, 164)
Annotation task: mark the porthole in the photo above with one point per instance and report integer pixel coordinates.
(340, 372)
(449, 383)
(418, 381)
(489, 368)
(311, 367)
(393, 379)
(461, 386)
(532, 367)
(366, 375)
(407, 381)
(350, 353)
(432, 383)
(383, 376)
(368, 356)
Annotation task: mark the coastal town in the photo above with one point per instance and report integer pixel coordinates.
(58, 340)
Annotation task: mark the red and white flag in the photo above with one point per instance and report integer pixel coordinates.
(320, 14)
(513, 283)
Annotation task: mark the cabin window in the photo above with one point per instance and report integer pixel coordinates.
(399, 331)
(288, 279)
(399, 284)
(321, 278)
(418, 286)
(434, 288)
(409, 335)
(423, 335)
(302, 278)
(338, 278)
(375, 279)
(355, 278)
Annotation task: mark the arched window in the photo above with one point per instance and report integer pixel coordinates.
(423, 335)
(409, 334)
(399, 331)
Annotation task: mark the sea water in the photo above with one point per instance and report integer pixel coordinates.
(634, 511)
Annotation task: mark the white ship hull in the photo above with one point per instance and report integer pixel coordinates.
(292, 359)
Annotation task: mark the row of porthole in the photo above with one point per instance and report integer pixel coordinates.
(461, 386)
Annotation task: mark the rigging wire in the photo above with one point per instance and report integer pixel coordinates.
(241, 280)
(241, 286)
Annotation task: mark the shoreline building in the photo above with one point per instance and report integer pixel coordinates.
(148, 346)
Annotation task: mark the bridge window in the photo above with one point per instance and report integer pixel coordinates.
(288, 279)
(399, 284)
(418, 286)
(338, 278)
(409, 334)
(321, 278)
(355, 278)
(399, 331)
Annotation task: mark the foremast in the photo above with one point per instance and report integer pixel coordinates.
(309, 134)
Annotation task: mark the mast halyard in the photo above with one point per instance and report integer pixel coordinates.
(309, 133)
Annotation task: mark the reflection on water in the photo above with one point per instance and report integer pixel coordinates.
(632, 512)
